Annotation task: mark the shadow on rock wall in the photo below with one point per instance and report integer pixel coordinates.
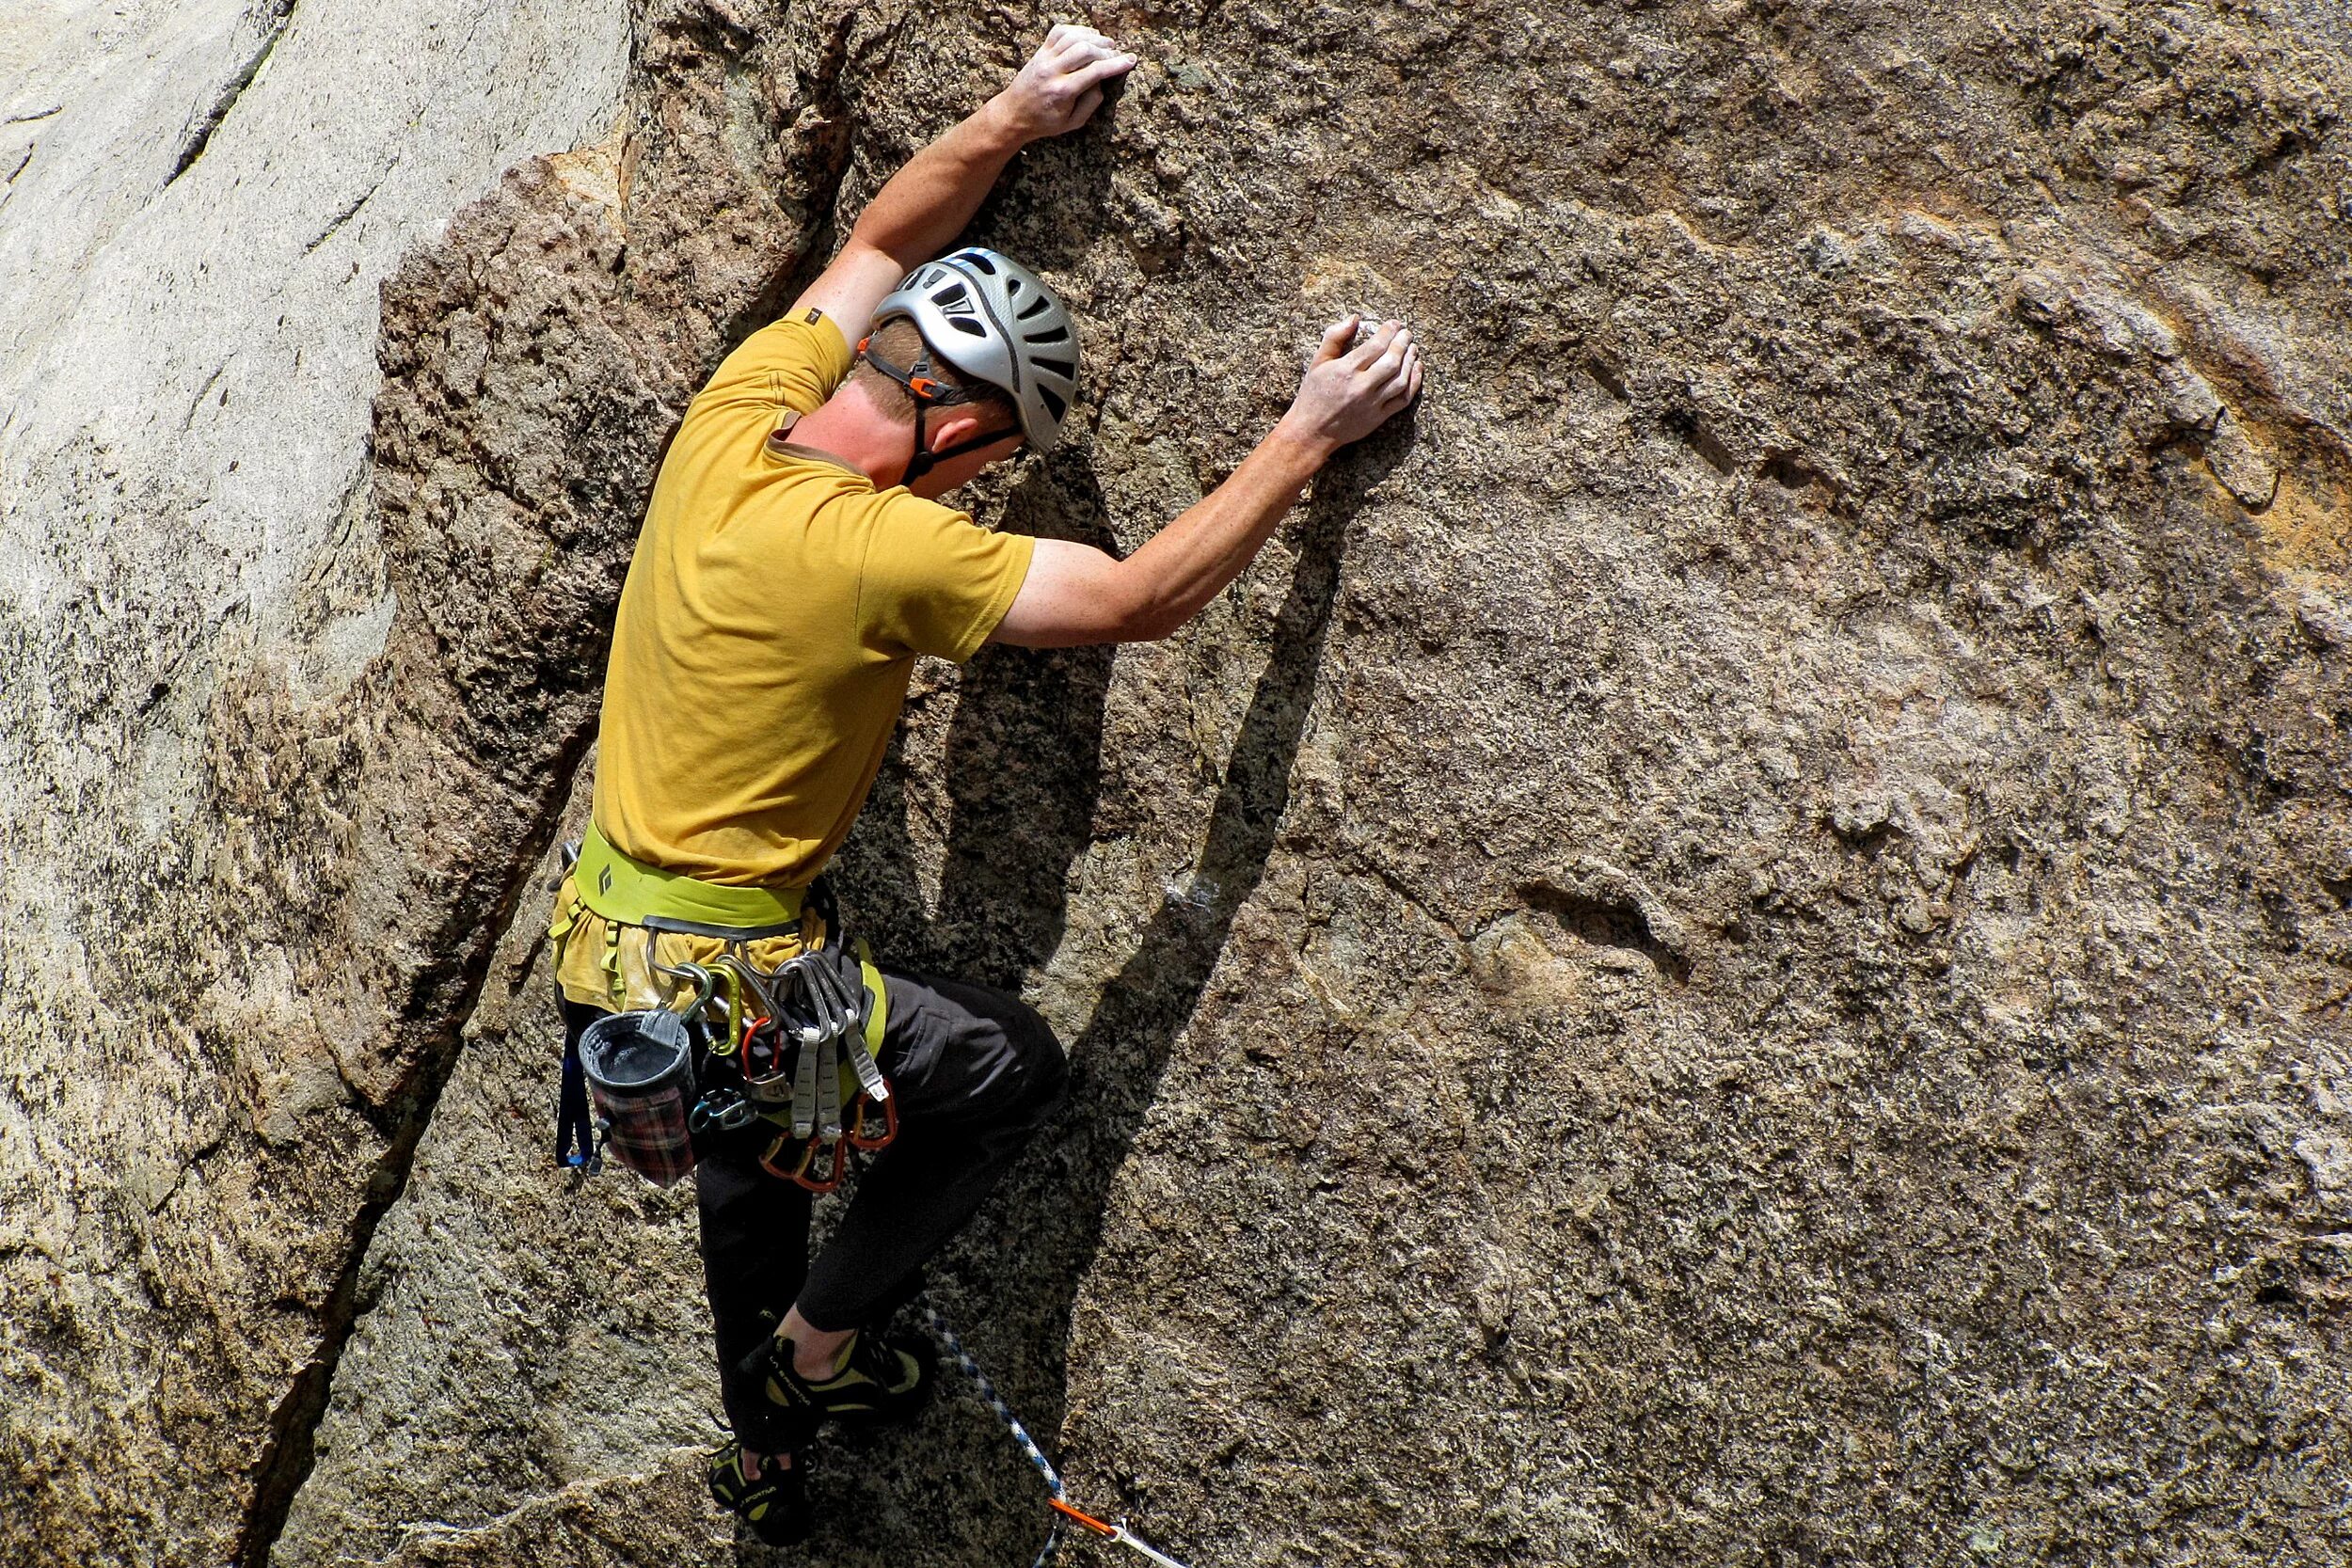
(1021, 768)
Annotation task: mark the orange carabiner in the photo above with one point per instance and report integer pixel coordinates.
(803, 1173)
(797, 1172)
(858, 1136)
(763, 1051)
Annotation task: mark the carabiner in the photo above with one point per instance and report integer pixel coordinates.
(800, 1174)
(706, 985)
(726, 1038)
(866, 1105)
(754, 983)
(765, 1060)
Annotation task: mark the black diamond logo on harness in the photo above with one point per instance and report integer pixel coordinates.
(604, 882)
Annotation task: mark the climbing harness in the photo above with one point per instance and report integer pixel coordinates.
(1056, 1494)
(796, 1047)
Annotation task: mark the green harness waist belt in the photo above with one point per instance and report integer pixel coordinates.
(627, 892)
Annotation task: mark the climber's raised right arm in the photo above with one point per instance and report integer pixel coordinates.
(1075, 593)
(924, 206)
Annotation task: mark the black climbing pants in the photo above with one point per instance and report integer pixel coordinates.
(975, 1072)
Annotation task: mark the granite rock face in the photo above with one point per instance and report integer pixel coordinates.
(219, 1003)
(1734, 949)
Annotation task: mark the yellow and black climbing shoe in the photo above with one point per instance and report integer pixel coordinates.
(879, 1380)
(775, 1502)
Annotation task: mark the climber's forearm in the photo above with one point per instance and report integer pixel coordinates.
(926, 204)
(1188, 562)
(913, 218)
(1075, 593)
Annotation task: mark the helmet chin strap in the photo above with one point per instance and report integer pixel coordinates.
(926, 392)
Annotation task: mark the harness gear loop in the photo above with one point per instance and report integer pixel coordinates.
(611, 963)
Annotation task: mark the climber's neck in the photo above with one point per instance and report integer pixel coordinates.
(850, 428)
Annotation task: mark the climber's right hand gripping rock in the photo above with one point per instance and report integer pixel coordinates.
(1061, 87)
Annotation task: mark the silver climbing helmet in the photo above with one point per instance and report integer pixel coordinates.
(997, 321)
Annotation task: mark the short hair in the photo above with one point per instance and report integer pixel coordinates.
(899, 342)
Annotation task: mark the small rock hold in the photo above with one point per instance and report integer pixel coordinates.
(2039, 297)
(2327, 621)
(2242, 467)
(2189, 399)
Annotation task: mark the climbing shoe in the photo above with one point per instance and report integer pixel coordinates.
(879, 1380)
(775, 1502)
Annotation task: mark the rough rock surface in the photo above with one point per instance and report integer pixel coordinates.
(211, 1073)
(1734, 950)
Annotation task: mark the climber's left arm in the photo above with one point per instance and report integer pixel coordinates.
(926, 204)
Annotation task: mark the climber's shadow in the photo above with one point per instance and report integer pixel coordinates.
(1024, 772)
(1023, 767)
(1018, 1272)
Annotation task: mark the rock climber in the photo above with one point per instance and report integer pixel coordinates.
(793, 562)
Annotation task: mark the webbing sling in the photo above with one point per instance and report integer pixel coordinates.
(627, 892)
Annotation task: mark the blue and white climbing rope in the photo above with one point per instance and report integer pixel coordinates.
(995, 1402)
(1058, 1494)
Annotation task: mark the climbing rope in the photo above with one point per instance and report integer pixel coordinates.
(1056, 1494)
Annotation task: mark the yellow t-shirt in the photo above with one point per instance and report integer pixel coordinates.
(769, 627)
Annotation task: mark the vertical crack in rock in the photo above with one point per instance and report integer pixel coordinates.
(294, 1425)
(534, 288)
(273, 21)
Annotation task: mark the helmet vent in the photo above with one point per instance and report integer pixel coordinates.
(1051, 334)
(1062, 368)
(969, 326)
(1037, 307)
(1053, 401)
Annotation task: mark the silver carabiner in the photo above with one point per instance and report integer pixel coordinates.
(705, 983)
